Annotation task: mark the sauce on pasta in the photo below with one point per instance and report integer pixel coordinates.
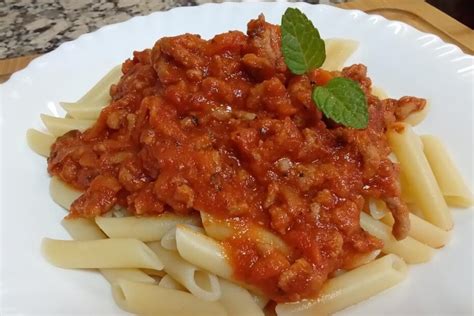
(221, 126)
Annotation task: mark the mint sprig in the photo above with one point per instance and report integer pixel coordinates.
(341, 99)
(302, 47)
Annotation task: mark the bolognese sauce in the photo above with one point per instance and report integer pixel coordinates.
(221, 126)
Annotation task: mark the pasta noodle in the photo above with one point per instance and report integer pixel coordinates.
(411, 250)
(337, 52)
(82, 111)
(221, 230)
(423, 231)
(86, 229)
(59, 126)
(238, 301)
(202, 251)
(114, 275)
(422, 183)
(417, 117)
(62, 194)
(448, 177)
(82, 229)
(379, 93)
(103, 253)
(168, 241)
(350, 288)
(39, 142)
(200, 283)
(143, 228)
(168, 282)
(148, 299)
(99, 93)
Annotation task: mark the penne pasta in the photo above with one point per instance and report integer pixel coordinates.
(168, 282)
(260, 300)
(237, 301)
(350, 288)
(148, 299)
(202, 251)
(103, 253)
(99, 93)
(115, 275)
(62, 194)
(360, 260)
(337, 52)
(82, 229)
(221, 230)
(423, 231)
(411, 250)
(377, 208)
(200, 283)
(168, 241)
(416, 118)
(83, 110)
(86, 229)
(39, 142)
(421, 182)
(448, 177)
(143, 228)
(59, 126)
(379, 92)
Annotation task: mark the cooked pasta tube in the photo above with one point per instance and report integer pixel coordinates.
(82, 229)
(420, 179)
(417, 117)
(377, 208)
(200, 283)
(59, 126)
(361, 259)
(91, 104)
(411, 250)
(350, 288)
(83, 110)
(103, 253)
(62, 194)
(221, 230)
(99, 93)
(450, 180)
(147, 299)
(379, 92)
(168, 241)
(154, 273)
(338, 50)
(135, 275)
(237, 301)
(202, 251)
(39, 142)
(168, 282)
(86, 229)
(260, 300)
(423, 231)
(143, 228)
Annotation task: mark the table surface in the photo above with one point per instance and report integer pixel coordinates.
(36, 27)
(30, 28)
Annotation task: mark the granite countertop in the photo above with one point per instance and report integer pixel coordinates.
(38, 26)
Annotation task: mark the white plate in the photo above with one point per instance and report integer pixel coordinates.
(400, 59)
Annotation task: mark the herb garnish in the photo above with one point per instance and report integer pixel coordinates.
(341, 99)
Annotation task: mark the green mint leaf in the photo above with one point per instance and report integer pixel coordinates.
(343, 101)
(301, 45)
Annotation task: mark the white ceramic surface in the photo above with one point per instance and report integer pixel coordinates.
(400, 59)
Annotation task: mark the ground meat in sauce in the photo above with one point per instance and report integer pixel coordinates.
(222, 126)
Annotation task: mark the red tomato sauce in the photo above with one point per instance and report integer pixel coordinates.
(222, 126)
